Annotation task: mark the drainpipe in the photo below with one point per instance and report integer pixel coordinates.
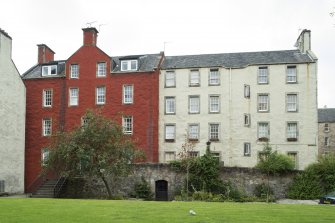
(230, 119)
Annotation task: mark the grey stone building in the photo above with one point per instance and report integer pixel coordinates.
(326, 117)
(12, 121)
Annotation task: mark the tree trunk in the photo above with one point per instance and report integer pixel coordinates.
(268, 189)
(107, 186)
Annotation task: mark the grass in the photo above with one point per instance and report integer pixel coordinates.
(69, 210)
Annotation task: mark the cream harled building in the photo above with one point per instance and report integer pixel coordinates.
(239, 101)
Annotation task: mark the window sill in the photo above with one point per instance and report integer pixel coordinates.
(169, 140)
(193, 140)
(292, 139)
(263, 139)
(214, 140)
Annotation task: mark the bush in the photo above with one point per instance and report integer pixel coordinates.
(142, 190)
(261, 190)
(305, 186)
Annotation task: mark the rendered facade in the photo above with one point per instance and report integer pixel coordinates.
(238, 101)
(60, 92)
(326, 118)
(12, 121)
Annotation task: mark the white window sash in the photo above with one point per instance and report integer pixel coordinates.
(101, 69)
(263, 102)
(263, 75)
(214, 104)
(101, 95)
(127, 123)
(291, 102)
(214, 131)
(170, 79)
(263, 130)
(74, 71)
(74, 96)
(194, 104)
(292, 130)
(170, 106)
(214, 77)
(194, 78)
(128, 94)
(291, 74)
(169, 132)
(193, 131)
(47, 98)
(46, 127)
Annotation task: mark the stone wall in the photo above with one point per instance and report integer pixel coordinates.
(245, 179)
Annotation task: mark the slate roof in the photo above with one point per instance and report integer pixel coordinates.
(326, 115)
(235, 60)
(146, 63)
(36, 71)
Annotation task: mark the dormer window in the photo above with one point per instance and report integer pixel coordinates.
(49, 70)
(127, 65)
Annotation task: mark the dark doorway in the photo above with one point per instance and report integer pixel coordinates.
(162, 190)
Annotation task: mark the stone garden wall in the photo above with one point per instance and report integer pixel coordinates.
(245, 179)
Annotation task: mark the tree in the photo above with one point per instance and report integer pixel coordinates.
(97, 149)
(272, 163)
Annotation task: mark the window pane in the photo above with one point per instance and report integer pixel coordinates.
(53, 70)
(214, 104)
(194, 104)
(101, 69)
(193, 131)
(169, 156)
(170, 105)
(74, 71)
(128, 94)
(291, 102)
(214, 132)
(291, 74)
(100, 95)
(74, 96)
(127, 123)
(247, 150)
(247, 91)
(46, 127)
(170, 79)
(169, 132)
(292, 130)
(194, 78)
(133, 65)
(263, 102)
(263, 130)
(263, 75)
(214, 78)
(47, 98)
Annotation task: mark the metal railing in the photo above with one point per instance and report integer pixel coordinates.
(59, 186)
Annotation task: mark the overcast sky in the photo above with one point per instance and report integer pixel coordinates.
(179, 27)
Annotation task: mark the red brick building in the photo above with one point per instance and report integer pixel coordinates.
(60, 92)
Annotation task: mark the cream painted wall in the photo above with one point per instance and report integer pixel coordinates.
(233, 133)
(12, 121)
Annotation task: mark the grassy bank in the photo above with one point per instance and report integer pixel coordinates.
(67, 210)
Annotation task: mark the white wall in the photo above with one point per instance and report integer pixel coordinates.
(234, 105)
(12, 121)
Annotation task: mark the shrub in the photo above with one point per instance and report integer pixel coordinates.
(143, 190)
(261, 190)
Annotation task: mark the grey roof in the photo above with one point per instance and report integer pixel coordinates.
(235, 60)
(146, 63)
(36, 71)
(326, 114)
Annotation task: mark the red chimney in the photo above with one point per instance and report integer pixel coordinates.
(45, 54)
(90, 36)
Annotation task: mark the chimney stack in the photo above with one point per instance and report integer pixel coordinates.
(304, 41)
(90, 36)
(45, 54)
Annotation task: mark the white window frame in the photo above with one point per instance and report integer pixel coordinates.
(214, 104)
(214, 77)
(194, 79)
(194, 104)
(128, 94)
(292, 131)
(263, 75)
(47, 98)
(247, 149)
(49, 70)
(291, 102)
(263, 130)
(74, 71)
(193, 132)
(170, 79)
(46, 126)
(100, 98)
(247, 91)
(127, 124)
(101, 69)
(170, 132)
(246, 119)
(263, 103)
(129, 65)
(73, 98)
(214, 136)
(170, 105)
(291, 74)
(44, 156)
(169, 156)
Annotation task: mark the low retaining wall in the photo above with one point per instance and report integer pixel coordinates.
(245, 179)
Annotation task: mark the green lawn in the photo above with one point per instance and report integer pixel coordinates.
(68, 210)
